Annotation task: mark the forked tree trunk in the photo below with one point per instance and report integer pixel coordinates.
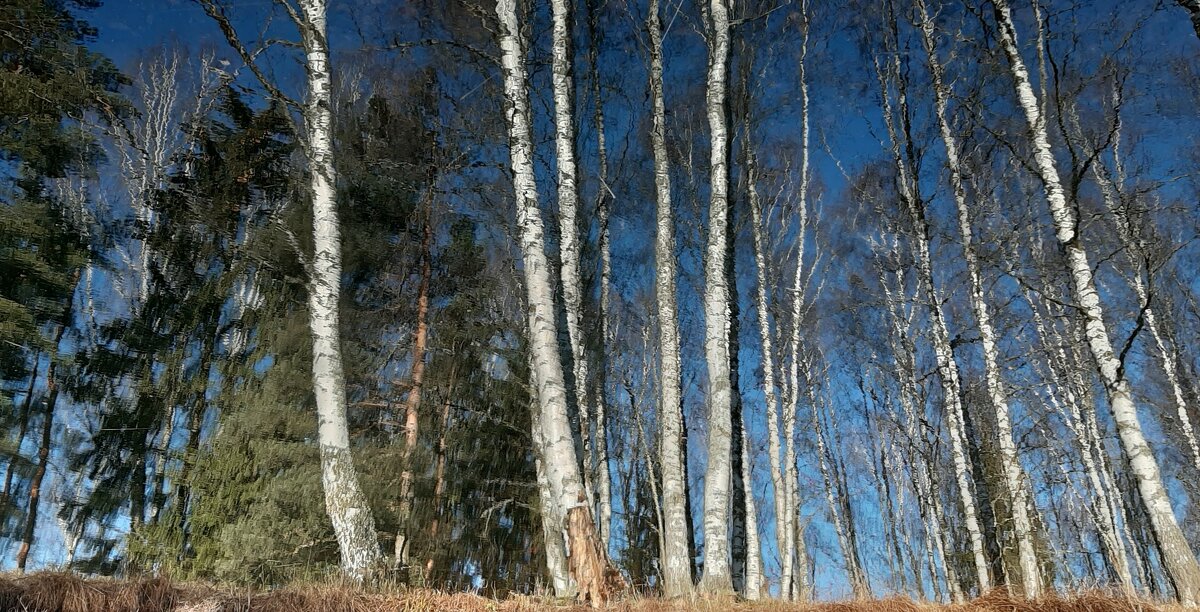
(676, 556)
(1178, 558)
(1031, 579)
(353, 523)
(558, 448)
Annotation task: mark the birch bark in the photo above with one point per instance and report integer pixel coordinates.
(1177, 554)
(568, 216)
(946, 366)
(677, 564)
(794, 555)
(603, 474)
(1031, 579)
(558, 447)
(783, 545)
(717, 575)
(353, 523)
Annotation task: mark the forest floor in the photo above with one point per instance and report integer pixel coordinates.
(58, 592)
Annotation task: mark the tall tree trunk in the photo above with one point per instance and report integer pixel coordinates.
(562, 62)
(794, 577)
(353, 523)
(737, 503)
(676, 555)
(603, 193)
(752, 589)
(1177, 554)
(717, 577)
(1031, 579)
(559, 458)
(783, 545)
(946, 366)
(412, 403)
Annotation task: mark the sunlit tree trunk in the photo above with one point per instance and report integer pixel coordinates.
(603, 204)
(558, 448)
(1177, 554)
(562, 62)
(946, 366)
(1031, 580)
(353, 523)
(717, 575)
(676, 558)
(783, 546)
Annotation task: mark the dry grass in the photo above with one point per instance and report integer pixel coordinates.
(57, 592)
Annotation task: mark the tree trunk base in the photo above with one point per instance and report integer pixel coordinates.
(587, 561)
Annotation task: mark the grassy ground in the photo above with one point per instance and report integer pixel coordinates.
(53, 592)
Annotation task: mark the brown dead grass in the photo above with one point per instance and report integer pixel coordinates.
(60, 592)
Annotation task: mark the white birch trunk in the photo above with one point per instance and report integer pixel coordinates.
(353, 523)
(568, 216)
(717, 575)
(946, 366)
(677, 564)
(1111, 191)
(754, 572)
(552, 516)
(927, 496)
(1031, 580)
(793, 585)
(1178, 558)
(783, 545)
(1102, 509)
(603, 474)
(558, 447)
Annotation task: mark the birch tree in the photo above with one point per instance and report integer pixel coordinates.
(1030, 572)
(345, 503)
(1178, 558)
(717, 576)
(676, 559)
(562, 62)
(946, 366)
(603, 208)
(558, 448)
